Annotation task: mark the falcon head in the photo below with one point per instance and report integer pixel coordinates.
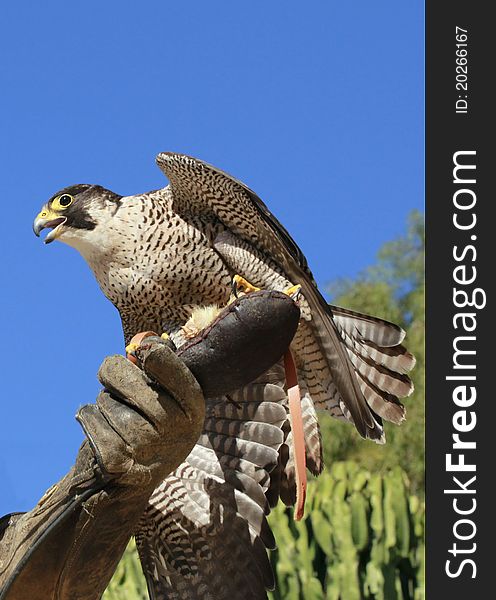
(77, 215)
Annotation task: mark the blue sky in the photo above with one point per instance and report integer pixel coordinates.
(317, 107)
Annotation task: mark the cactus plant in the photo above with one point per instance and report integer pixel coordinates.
(365, 536)
(128, 582)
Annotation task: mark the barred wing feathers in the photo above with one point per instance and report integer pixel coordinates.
(204, 535)
(199, 188)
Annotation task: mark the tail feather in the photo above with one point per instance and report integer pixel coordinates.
(385, 405)
(366, 327)
(396, 358)
(381, 363)
(393, 383)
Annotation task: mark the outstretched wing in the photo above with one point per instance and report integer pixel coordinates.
(204, 534)
(199, 188)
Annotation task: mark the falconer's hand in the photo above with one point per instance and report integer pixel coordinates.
(145, 422)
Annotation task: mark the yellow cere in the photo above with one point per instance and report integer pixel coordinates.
(47, 214)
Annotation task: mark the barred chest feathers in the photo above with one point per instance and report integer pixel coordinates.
(150, 258)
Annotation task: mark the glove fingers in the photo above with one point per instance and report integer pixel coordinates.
(125, 419)
(126, 381)
(160, 362)
(107, 445)
(179, 394)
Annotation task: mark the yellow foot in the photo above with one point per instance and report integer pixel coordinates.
(131, 348)
(135, 342)
(241, 285)
(292, 291)
(133, 345)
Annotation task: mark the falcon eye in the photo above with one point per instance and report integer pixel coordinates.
(62, 201)
(65, 200)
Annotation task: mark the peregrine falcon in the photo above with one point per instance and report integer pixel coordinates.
(159, 255)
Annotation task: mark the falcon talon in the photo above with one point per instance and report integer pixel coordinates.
(244, 285)
(131, 348)
(135, 343)
(293, 292)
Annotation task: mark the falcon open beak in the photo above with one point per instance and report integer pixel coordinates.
(48, 219)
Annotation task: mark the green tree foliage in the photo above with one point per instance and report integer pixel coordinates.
(392, 289)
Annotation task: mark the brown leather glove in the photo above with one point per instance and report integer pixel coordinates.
(143, 425)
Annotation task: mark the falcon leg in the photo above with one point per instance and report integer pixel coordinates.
(200, 318)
